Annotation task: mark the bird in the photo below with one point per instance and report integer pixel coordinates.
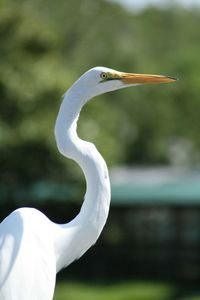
(33, 249)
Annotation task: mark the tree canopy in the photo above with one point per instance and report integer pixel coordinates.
(46, 45)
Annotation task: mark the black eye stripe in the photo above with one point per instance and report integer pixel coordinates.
(109, 79)
(112, 78)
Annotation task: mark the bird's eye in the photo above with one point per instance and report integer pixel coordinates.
(103, 75)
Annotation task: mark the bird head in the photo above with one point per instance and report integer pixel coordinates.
(100, 80)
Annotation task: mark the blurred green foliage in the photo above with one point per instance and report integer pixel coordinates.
(140, 290)
(46, 45)
(126, 291)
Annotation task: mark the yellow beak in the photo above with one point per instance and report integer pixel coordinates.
(131, 78)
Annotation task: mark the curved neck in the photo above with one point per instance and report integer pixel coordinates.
(87, 226)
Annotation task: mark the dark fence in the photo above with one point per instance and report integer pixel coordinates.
(152, 242)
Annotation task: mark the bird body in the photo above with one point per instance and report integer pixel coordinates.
(33, 248)
(27, 258)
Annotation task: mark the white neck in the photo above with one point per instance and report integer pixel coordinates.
(77, 236)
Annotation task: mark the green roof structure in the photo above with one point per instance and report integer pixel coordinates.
(162, 185)
(129, 186)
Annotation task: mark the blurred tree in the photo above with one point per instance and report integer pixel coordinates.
(45, 46)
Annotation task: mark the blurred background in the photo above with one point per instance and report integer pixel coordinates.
(149, 136)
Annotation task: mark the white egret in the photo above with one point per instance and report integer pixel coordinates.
(33, 248)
